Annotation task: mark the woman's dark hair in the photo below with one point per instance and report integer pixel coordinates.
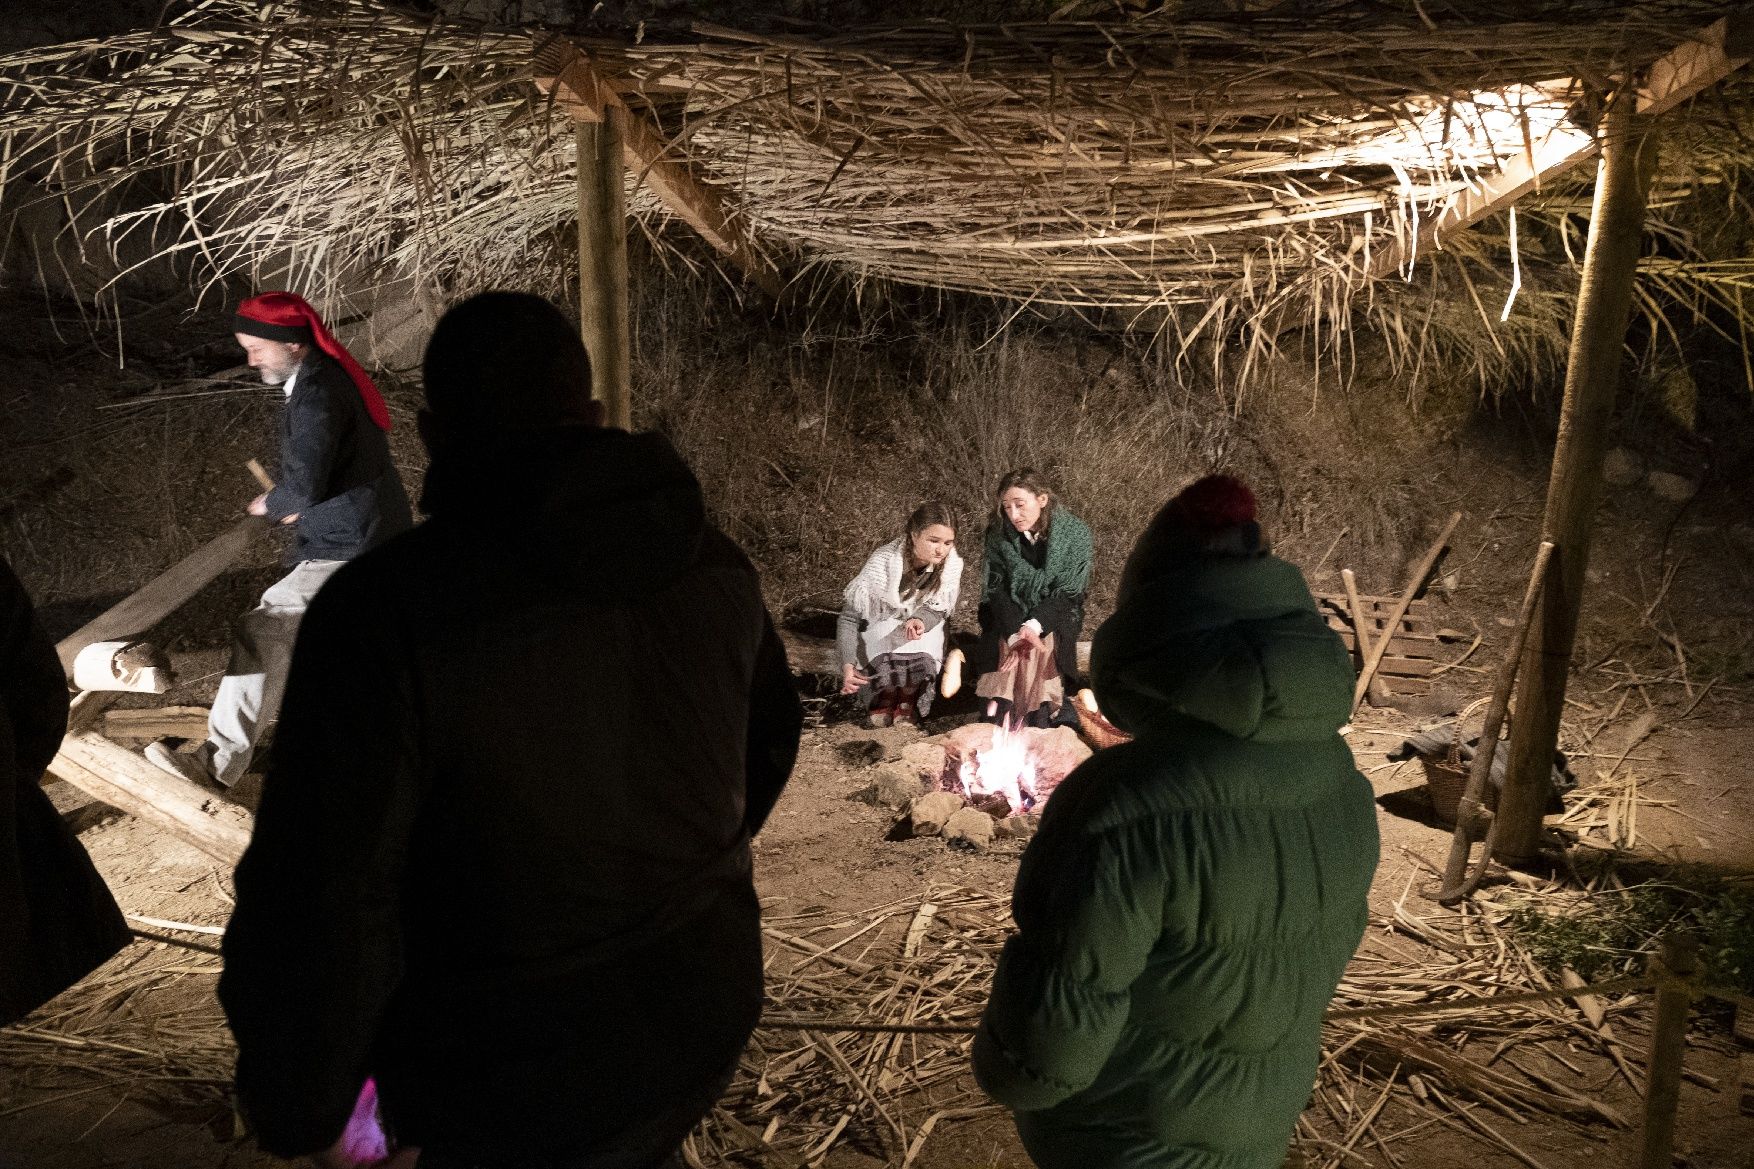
(1033, 482)
(924, 516)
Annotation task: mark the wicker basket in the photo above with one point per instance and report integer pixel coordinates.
(1097, 731)
(1446, 779)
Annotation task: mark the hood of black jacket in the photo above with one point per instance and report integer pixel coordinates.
(597, 511)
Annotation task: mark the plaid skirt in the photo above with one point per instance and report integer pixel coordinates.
(902, 671)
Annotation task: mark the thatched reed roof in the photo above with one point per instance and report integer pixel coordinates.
(1159, 161)
(1233, 168)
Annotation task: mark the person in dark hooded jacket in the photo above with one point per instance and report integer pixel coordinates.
(58, 921)
(1191, 898)
(502, 861)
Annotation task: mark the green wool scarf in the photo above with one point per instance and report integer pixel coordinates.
(1066, 570)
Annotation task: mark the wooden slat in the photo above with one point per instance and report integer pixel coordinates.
(565, 74)
(1698, 64)
(159, 597)
(157, 722)
(1406, 667)
(118, 777)
(1416, 626)
(1401, 647)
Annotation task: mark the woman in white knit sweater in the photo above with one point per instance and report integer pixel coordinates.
(892, 618)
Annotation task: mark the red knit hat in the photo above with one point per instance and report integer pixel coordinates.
(1212, 504)
(288, 318)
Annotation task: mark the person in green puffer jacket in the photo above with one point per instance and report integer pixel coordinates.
(1191, 898)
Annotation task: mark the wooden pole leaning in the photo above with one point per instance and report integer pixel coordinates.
(603, 312)
(1361, 636)
(1458, 882)
(1676, 962)
(1381, 647)
(163, 594)
(1574, 490)
(159, 597)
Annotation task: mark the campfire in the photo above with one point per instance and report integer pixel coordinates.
(978, 781)
(1002, 778)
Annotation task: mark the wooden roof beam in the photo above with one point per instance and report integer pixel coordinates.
(566, 76)
(1684, 72)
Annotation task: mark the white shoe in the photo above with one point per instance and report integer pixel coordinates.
(191, 766)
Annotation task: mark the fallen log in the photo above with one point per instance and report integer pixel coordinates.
(159, 597)
(118, 777)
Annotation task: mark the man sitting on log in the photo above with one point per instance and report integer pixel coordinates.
(337, 489)
(502, 862)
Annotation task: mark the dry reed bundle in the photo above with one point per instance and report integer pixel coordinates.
(338, 145)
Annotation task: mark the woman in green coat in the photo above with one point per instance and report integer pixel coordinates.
(1192, 897)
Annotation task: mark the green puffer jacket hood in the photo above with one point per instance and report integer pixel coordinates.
(1230, 642)
(1191, 898)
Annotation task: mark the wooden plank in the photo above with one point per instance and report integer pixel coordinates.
(565, 74)
(157, 722)
(1406, 667)
(124, 780)
(159, 597)
(1698, 64)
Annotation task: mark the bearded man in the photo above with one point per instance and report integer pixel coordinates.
(336, 489)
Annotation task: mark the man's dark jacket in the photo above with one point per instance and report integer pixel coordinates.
(335, 469)
(502, 859)
(58, 921)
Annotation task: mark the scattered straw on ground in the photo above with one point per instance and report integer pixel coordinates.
(914, 975)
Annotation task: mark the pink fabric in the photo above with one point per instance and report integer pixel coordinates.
(363, 1140)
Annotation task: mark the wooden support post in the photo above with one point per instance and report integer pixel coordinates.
(1678, 959)
(118, 777)
(603, 266)
(568, 77)
(1598, 337)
